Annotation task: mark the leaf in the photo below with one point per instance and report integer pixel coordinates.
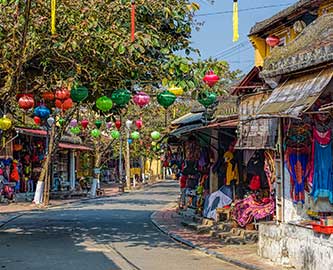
(195, 6)
(184, 68)
(121, 49)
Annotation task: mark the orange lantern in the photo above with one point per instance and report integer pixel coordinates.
(62, 93)
(49, 96)
(26, 102)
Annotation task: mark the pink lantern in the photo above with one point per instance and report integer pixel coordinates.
(211, 78)
(272, 41)
(73, 123)
(138, 124)
(109, 125)
(84, 123)
(118, 124)
(141, 99)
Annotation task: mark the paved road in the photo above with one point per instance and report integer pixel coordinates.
(114, 233)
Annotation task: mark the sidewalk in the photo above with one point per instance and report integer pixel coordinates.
(169, 222)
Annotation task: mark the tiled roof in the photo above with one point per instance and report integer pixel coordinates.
(313, 47)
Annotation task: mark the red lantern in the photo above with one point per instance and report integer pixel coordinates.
(272, 41)
(138, 124)
(68, 103)
(211, 78)
(141, 99)
(18, 96)
(62, 93)
(49, 96)
(84, 123)
(118, 124)
(37, 120)
(58, 103)
(26, 102)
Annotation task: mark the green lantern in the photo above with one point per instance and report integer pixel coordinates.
(95, 133)
(135, 135)
(61, 121)
(79, 93)
(207, 98)
(121, 97)
(115, 134)
(75, 130)
(98, 123)
(155, 135)
(104, 103)
(166, 99)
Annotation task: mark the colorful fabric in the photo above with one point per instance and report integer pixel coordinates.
(248, 209)
(269, 168)
(232, 168)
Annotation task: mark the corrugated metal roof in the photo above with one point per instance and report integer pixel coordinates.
(296, 95)
(187, 119)
(183, 130)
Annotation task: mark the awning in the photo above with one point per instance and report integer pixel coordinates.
(183, 130)
(75, 146)
(225, 124)
(32, 132)
(296, 95)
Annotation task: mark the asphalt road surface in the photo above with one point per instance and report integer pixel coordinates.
(104, 234)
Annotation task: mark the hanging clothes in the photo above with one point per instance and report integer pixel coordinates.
(269, 168)
(232, 168)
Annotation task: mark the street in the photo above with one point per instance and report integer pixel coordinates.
(107, 233)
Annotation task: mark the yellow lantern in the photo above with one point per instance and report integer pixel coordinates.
(177, 91)
(5, 123)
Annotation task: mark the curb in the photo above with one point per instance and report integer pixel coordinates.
(215, 254)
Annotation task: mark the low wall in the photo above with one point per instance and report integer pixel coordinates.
(296, 246)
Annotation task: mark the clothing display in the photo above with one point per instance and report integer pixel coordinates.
(232, 169)
(215, 200)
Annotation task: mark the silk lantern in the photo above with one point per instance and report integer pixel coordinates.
(109, 125)
(84, 123)
(138, 124)
(73, 123)
(42, 112)
(117, 123)
(129, 124)
(26, 102)
(61, 121)
(155, 135)
(177, 91)
(48, 96)
(129, 140)
(210, 78)
(104, 103)
(135, 135)
(95, 133)
(75, 130)
(207, 98)
(37, 120)
(5, 123)
(98, 124)
(115, 134)
(79, 94)
(166, 98)
(62, 93)
(50, 121)
(121, 97)
(141, 99)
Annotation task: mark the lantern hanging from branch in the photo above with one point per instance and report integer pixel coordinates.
(79, 94)
(48, 96)
(37, 120)
(73, 123)
(98, 123)
(75, 130)
(138, 124)
(115, 134)
(50, 121)
(121, 97)
(84, 123)
(95, 133)
(155, 135)
(135, 135)
(5, 123)
(129, 124)
(61, 121)
(26, 102)
(141, 99)
(166, 98)
(108, 125)
(42, 112)
(177, 91)
(62, 93)
(117, 123)
(104, 103)
(207, 98)
(211, 78)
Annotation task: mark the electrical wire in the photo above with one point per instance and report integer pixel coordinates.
(241, 10)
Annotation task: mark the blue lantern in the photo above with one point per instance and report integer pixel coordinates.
(129, 140)
(42, 112)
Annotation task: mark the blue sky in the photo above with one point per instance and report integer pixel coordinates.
(215, 37)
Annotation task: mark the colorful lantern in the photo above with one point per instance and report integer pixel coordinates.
(121, 97)
(42, 112)
(166, 99)
(48, 96)
(26, 102)
(272, 41)
(138, 124)
(155, 135)
(75, 130)
(84, 123)
(73, 123)
(135, 135)
(177, 91)
(141, 99)
(37, 120)
(211, 78)
(5, 123)
(109, 125)
(79, 94)
(98, 123)
(61, 121)
(207, 98)
(104, 103)
(62, 93)
(67, 104)
(117, 123)
(129, 124)
(115, 134)
(129, 140)
(50, 121)
(95, 133)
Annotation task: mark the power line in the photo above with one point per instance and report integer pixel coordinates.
(241, 10)
(233, 48)
(234, 53)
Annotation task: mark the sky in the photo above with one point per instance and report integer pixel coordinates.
(214, 39)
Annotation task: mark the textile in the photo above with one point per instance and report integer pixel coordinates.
(232, 168)
(215, 200)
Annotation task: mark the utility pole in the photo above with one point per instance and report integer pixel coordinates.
(128, 165)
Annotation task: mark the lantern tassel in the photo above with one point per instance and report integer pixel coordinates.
(53, 17)
(133, 21)
(235, 21)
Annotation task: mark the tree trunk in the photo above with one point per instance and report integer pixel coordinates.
(128, 165)
(97, 172)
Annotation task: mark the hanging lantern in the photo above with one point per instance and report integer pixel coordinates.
(61, 121)
(5, 123)
(138, 124)
(115, 134)
(166, 99)
(121, 97)
(141, 99)
(129, 140)
(117, 123)
(58, 103)
(62, 93)
(75, 130)
(26, 102)
(42, 112)
(211, 78)
(48, 96)
(79, 94)
(108, 125)
(155, 135)
(207, 98)
(67, 104)
(98, 123)
(73, 123)
(135, 135)
(95, 133)
(272, 41)
(104, 103)
(37, 120)
(129, 124)
(84, 123)
(177, 91)
(50, 121)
